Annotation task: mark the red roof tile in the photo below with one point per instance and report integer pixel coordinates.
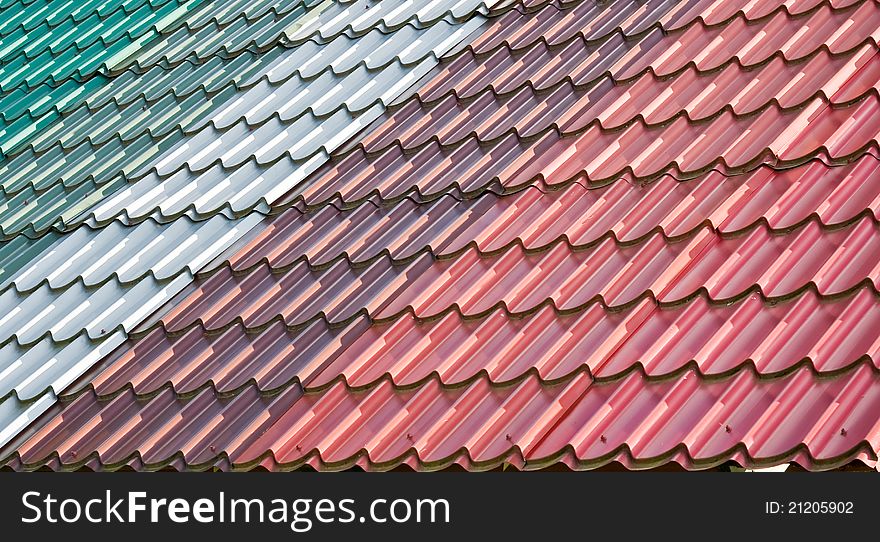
(567, 108)
(495, 62)
(657, 340)
(832, 261)
(164, 429)
(681, 148)
(638, 422)
(829, 335)
(624, 233)
(537, 218)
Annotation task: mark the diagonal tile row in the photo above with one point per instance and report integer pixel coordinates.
(529, 424)
(777, 265)
(509, 287)
(826, 334)
(114, 273)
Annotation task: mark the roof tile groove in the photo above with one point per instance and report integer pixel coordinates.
(45, 196)
(77, 125)
(246, 409)
(78, 51)
(639, 151)
(131, 123)
(653, 101)
(32, 15)
(537, 218)
(68, 34)
(582, 233)
(135, 129)
(71, 302)
(778, 265)
(541, 421)
(480, 426)
(827, 335)
(581, 60)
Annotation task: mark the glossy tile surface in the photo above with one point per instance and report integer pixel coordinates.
(628, 232)
(134, 223)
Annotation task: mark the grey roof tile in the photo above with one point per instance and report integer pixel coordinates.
(187, 197)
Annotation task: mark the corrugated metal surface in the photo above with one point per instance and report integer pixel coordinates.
(697, 95)
(536, 217)
(826, 334)
(49, 50)
(571, 51)
(138, 248)
(51, 58)
(59, 301)
(54, 41)
(529, 424)
(631, 233)
(54, 56)
(643, 152)
(97, 139)
(776, 264)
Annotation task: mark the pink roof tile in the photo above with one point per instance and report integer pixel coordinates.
(633, 234)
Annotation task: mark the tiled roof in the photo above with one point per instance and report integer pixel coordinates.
(827, 334)
(625, 232)
(53, 58)
(166, 197)
(641, 423)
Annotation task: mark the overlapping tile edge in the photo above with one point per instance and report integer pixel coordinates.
(477, 465)
(480, 426)
(177, 283)
(55, 201)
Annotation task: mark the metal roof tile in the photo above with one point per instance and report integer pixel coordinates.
(157, 436)
(33, 374)
(567, 108)
(537, 218)
(684, 192)
(150, 124)
(36, 62)
(480, 426)
(239, 118)
(580, 61)
(715, 12)
(272, 358)
(776, 264)
(639, 152)
(125, 254)
(100, 278)
(829, 335)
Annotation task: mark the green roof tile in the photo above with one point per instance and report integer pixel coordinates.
(72, 132)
